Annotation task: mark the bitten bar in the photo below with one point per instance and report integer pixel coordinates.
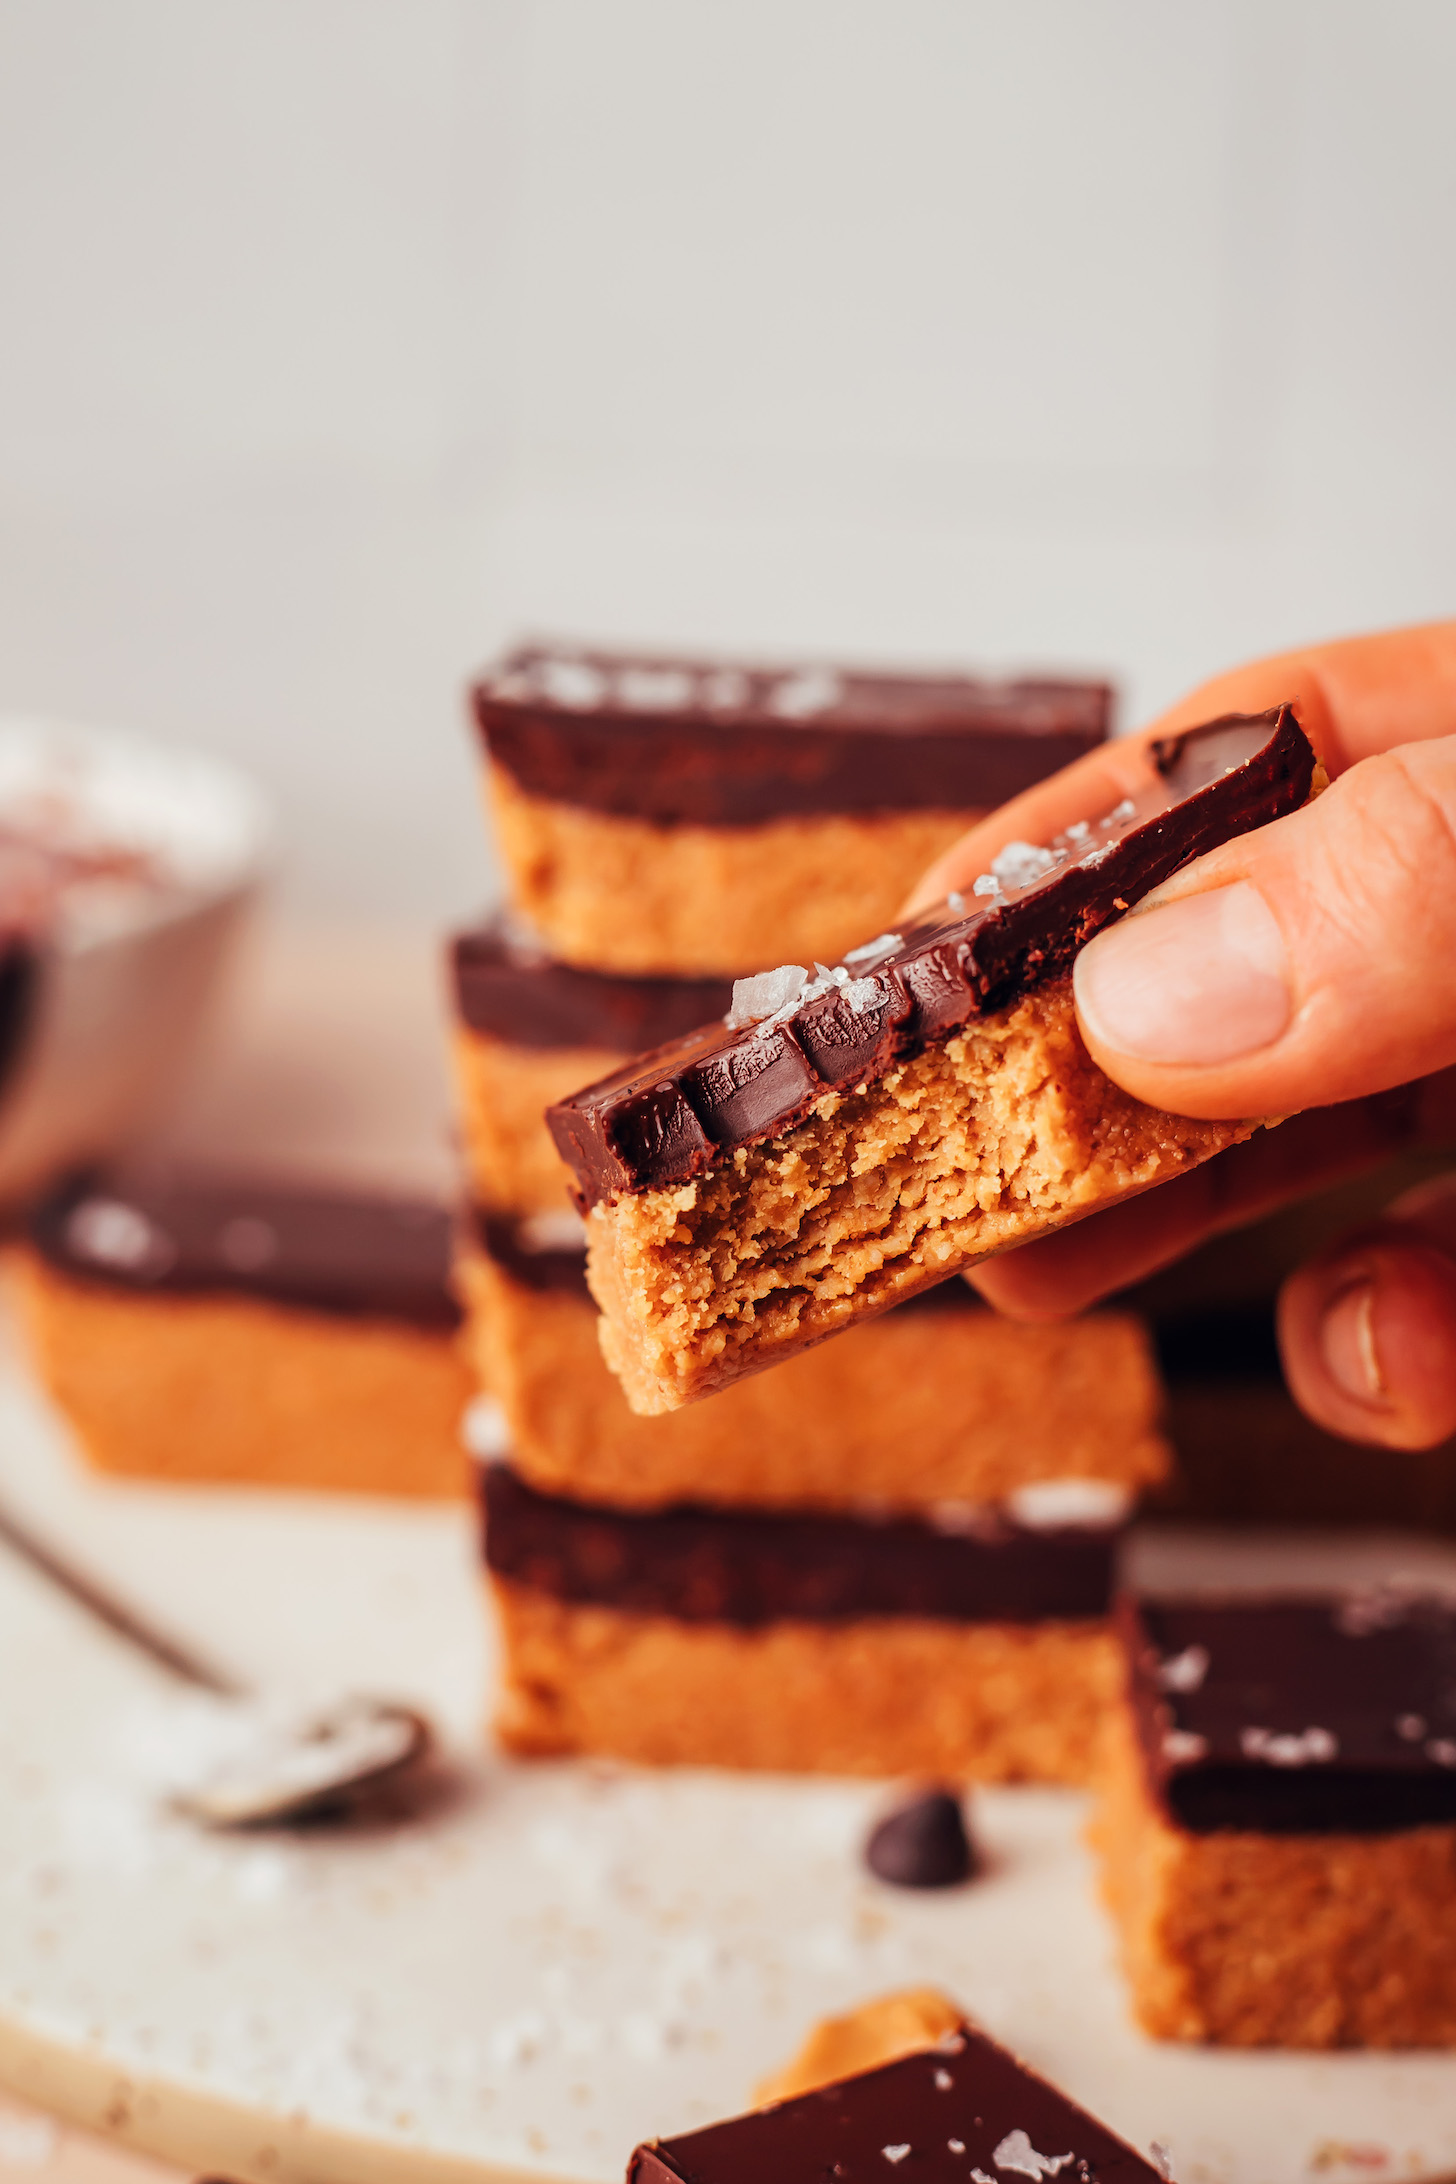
(846, 1140)
(693, 817)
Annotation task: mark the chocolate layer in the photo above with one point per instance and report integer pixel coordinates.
(709, 743)
(1283, 1717)
(960, 2110)
(728, 1566)
(540, 1252)
(675, 1113)
(508, 987)
(325, 1250)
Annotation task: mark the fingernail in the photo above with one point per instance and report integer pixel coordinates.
(1347, 1338)
(1191, 983)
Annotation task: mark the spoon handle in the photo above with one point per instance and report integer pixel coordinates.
(123, 1621)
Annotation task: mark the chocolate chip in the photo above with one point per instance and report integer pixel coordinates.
(923, 1844)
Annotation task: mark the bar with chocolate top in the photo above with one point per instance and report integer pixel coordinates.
(528, 1030)
(789, 1639)
(230, 1328)
(687, 817)
(965, 2109)
(942, 1401)
(847, 1138)
(1278, 1822)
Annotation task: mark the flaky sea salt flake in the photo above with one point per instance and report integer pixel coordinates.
(1184, 1671)
(873, 951)
(765, 994)
(1017, 2154)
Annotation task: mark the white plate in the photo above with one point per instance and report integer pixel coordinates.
(568, 1958)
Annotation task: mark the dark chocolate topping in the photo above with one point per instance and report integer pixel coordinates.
(944, 2115)
(508, 986)
(923, 1844)
(325, 1250)
(705, 743)
(751, 1567)
(673, 1114)
(544, 1252)
(1297, 1717)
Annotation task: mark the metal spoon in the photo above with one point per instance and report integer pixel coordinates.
(321, 1763)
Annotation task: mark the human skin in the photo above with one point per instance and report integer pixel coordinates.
(1308, 969)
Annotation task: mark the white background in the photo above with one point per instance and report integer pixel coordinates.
(341, 338)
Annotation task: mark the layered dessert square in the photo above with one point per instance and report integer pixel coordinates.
(940, 1402)
(1277, 1828)
(700, 817)
(845, 1140)
(226, 1330)
(963, 2111)
(528, 1030)
(962, 1643)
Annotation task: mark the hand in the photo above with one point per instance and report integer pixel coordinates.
(1308, 969)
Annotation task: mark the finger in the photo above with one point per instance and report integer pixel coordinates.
(1368, 1331)
(1303, 964)
(1092, 1259)
(1355, 698)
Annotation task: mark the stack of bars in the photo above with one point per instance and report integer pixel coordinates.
(895, 1553)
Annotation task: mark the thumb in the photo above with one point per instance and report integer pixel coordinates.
(1303, 964)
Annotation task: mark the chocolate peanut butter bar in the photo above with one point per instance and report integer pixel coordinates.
(226, 1329)
(964, 2111)
(698, 817)
(963, 1644)
(939, 1402)
(1277, 1830)
(848, 1138)
(529, 1029)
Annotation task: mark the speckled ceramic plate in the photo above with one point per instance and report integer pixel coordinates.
(553, 1961)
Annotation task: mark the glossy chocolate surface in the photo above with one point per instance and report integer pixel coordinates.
(1295, 1717)
(328, 1251)
(712, 743)
(675, 1113)
(947, 2115)
(732, 1566)
(508, 987)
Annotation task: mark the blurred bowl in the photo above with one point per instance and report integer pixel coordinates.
(126, 869)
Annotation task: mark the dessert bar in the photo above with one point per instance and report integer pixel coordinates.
(941, 1401)
(692, 817)
(962, 1645)
(1277, 1830)
(528, 1031)
(964, 2111)
(846, 1139)
(226, 1330)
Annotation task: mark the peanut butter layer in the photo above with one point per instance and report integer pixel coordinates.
(226, 1389)
(504, 1092)
(1249, 1940)
(613, 892)
(976, 1702)
(886, 1696)
(1005, 1131)
(941, 1403)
